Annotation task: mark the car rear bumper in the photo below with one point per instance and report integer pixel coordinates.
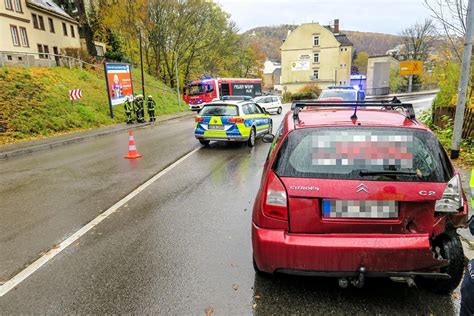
(277, 250)
(228, 138)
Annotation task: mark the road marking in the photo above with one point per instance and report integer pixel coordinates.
(32, 268)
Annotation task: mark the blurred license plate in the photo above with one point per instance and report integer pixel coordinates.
(218, 127)
(360, 209)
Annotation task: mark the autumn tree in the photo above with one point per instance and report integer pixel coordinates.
(360, 62)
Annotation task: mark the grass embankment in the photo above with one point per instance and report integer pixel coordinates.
(35, 101)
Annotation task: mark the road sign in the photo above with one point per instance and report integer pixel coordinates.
(75, 94)
(411, 67)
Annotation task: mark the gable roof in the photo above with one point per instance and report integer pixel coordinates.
(50, 7)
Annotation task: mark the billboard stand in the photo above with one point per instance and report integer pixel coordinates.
(118, 78)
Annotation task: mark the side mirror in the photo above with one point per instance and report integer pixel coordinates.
(471, 221)
(268, 138)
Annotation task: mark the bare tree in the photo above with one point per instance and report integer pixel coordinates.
(418, 40)
(450, 15)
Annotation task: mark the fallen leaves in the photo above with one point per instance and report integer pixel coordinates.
(209, 310)
(235, 287)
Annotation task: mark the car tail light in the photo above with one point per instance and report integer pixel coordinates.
(236, 120)
(452, 200)
(199, 119)
(275, 203)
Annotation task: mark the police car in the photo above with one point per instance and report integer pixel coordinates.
(232, 120)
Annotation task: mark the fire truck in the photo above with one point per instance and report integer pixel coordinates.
(207, 89)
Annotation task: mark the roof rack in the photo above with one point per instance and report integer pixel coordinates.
(384, 104)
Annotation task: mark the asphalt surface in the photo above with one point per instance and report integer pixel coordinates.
(182, 246)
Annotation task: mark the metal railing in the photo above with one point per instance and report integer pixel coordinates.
(401, 89)
(28, 59)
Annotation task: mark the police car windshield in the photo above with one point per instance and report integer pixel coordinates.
(219, 110)
(346, 95)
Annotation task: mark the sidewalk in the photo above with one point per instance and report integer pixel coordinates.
(27, 147)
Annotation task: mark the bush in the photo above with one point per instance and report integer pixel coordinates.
(286, 96)
(310, 89)
(303, 96)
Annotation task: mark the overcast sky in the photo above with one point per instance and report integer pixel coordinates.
(384, 16)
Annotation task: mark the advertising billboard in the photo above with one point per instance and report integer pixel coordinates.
(119, 82)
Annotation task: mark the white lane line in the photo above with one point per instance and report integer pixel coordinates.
(32, 268)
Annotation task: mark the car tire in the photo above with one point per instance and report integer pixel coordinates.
(280, 109)
(252, 137)
(204, 142)
(448, 247)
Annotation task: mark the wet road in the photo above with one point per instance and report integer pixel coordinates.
(182, 246)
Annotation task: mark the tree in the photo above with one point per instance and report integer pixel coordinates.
(360, 62)
(418, 40)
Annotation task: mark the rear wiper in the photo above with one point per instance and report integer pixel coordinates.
(387, 172)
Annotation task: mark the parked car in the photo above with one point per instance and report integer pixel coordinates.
(342, 93)
(232, 121)
(271, 103)
(359, 194)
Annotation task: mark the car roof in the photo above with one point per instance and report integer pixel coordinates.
(334, 117)
(238, 103)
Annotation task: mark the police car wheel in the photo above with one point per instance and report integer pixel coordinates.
(252, 137)
(204, 142)
(448, 247)
(279, 110)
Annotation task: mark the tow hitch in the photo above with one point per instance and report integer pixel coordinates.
(357, 282)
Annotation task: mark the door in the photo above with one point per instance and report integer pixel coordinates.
(56, 57)
(225, 89)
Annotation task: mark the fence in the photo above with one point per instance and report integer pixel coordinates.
(401, 89)
(26, 59)
(450, 111)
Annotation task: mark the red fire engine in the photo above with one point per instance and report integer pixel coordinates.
(199, 92)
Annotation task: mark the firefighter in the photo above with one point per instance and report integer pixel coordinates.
(128, 110)
(151, 108)
(139, 108)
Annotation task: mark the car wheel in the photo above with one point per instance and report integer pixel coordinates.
(448, 248)
(280, 109)
(252, 137)
(204, 142)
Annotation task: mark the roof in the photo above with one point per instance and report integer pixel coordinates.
(229, 102)
(342, 117)
(50, 7)
(343, 39)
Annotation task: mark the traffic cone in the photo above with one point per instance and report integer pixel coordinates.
(132, 149)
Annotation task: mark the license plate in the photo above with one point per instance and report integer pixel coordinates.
(360, 209)
(217, 127)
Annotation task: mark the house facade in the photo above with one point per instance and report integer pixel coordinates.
(35, 26)
(318, 54)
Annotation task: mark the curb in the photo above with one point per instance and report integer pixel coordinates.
(28, 150)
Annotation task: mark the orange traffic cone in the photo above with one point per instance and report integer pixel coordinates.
(132, 149)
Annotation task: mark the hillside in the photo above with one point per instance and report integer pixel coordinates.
(35, 101)
(270, 39)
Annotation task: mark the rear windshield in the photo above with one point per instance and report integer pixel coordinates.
(219, 110)
(362, 153)
(346, 95)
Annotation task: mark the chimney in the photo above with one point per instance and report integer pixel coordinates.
(336, 26)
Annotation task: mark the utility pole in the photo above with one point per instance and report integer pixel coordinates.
(410, 83)
(463, 82)
(141, 61)
(177, 81)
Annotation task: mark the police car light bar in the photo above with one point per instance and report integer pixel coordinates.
(387, 105)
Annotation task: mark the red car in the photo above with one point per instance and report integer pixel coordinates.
(354, 193)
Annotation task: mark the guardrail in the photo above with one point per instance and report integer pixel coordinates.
(27, 59)
(403, 89)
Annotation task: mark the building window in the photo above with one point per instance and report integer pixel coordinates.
(8, 5)
(51, 25)
(18, 7)
(24, 37)
(316, 40)
(64, 29)
(72, 31)
(43, 49)
(316, 58)
(15, 38)
(34, 17)
(315, 74)
(41, 22)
